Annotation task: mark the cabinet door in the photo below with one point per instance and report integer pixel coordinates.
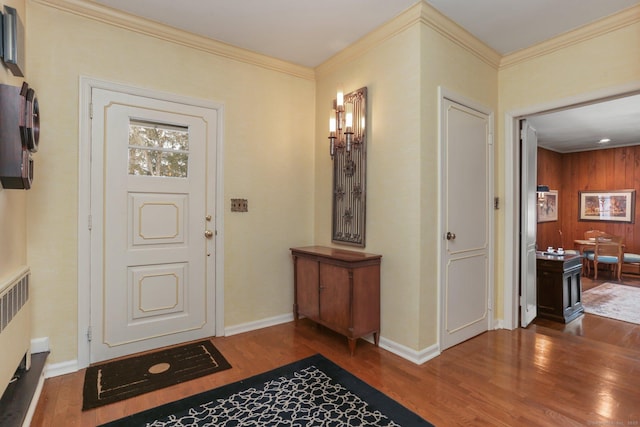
(335, 297)
(307, 288)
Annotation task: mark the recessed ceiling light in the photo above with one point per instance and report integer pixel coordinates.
(604, 140)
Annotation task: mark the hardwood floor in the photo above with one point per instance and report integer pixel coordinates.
(549, 374)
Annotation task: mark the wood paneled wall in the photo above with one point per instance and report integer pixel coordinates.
(610, 169)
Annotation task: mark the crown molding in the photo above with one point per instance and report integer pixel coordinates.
(614, 22)
(97, 12)
(432, 18)
(421, 13)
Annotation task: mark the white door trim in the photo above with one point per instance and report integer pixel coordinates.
(84, 203)
(444, 93)
(511, 242)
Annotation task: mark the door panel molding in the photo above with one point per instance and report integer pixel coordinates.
(88, 219)
(478, 249)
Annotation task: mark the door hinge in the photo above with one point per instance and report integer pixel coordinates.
(89, 334)
(90, 221)
(91, 110)
(490, 139)
(523, 134)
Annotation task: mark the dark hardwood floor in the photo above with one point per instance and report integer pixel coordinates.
(549, 374)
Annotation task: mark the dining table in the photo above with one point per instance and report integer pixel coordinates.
(581, 244)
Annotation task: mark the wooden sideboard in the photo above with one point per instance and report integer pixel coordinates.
(559, 291)
(338, 289)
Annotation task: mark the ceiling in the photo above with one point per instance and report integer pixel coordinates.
(308, 32)
(581, 128)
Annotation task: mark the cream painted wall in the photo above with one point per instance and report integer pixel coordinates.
(391, 72)
(275, 158)
(598, 64)
(13, 203)
(402, 73)
(268, 159)
(444, 64)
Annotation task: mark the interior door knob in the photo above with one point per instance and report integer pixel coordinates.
(208, 234)
(451, 236)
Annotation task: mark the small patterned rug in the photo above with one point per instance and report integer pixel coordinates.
(615, 301)
(124, 378)
(311, 392)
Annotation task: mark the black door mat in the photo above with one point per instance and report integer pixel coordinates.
(121, 379)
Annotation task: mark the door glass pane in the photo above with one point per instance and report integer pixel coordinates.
(158, 149)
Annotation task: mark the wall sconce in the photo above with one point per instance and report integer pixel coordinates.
(347, 121)
(348, 149)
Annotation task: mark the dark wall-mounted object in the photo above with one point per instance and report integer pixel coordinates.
(350, 178)
(1, 35)
(19, 135)
(13, 42)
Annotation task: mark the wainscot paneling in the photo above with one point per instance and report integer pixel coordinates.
(610, 169)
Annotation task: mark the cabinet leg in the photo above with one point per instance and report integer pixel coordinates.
(352, 345)
(376, 338)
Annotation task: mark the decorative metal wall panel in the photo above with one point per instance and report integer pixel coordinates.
(349, 178)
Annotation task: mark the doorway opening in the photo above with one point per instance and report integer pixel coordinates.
(513, 170)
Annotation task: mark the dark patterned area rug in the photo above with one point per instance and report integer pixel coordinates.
(124, 378)
(311, 392)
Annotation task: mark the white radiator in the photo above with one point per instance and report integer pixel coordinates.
(15, 326)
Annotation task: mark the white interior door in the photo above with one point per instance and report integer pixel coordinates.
(528, 209)
(466, 289)
(153, 226)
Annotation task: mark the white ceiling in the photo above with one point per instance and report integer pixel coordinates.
(308, 32)
(581, 128)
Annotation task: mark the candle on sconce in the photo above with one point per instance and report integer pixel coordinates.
(349, 116)
(332, 122)
(340, 98)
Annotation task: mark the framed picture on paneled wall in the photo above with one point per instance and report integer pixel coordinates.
(612, 206)
(548, 206)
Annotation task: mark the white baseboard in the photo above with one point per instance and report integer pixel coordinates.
(62, 368)
(259, 324)
(416, 356)
(40, 345)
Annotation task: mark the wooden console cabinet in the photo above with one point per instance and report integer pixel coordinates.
(338, 289)
(559, 291)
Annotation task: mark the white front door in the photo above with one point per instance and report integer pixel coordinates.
(528, 211)
(466, 289)
(153, 231)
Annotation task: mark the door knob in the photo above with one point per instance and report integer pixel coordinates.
(451, 236)
(208, 234)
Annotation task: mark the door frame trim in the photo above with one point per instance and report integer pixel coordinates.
(511, 238)
(84, 202)
(444, 93)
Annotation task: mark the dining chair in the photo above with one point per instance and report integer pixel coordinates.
(588, 261)
(608, 250)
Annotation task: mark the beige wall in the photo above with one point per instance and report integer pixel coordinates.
(391, 73)
(275, 155)
(601, 63)
(13, 203)
(444, 64)
(268, 159)
(402, 74)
